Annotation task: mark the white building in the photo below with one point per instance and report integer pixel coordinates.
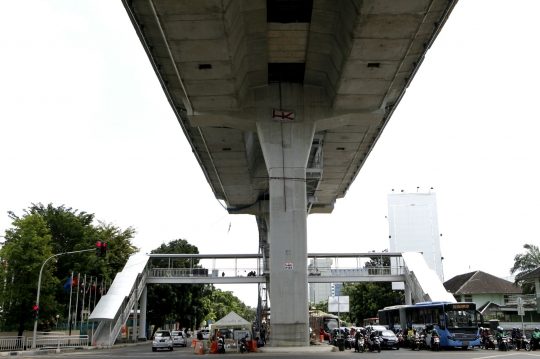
(320, 291)
(414, 227)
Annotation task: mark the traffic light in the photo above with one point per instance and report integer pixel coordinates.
(36, 312)
(103, 249)
(98, 248)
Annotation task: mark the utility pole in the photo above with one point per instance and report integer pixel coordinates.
(39, 288)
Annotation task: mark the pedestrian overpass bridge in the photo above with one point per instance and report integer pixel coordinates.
(129, 286)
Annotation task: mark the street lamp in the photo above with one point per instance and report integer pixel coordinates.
(57, 316)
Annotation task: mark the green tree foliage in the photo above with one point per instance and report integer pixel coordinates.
(367, 298)
(26, 248)
(70, 230)
(224, 302)
(187, 304)
(524, 263)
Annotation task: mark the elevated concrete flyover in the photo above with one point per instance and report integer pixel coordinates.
(282, 101)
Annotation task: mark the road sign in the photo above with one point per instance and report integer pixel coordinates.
(520, 309)
(338, 304)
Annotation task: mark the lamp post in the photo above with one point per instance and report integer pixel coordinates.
(57, 316)
(39, 288)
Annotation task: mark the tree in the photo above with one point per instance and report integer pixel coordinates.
(71, 230)
(27, 247)
(186, 304)
(524, 263)
(367, 298)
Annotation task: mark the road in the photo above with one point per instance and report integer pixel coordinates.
(145, 351)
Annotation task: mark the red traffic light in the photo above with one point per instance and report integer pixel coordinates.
(36, 308)
(104, 244)
(98, 244)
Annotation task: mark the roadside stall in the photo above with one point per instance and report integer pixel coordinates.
(240, 328)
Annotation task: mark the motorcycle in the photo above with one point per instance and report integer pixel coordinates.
(504, 344)
(523, 343)
(400, 340)
(535, 344)
(436, 343)
(221, 346)
(415, 343)
(349, 342)
(489, 342)
(359, 347)
(375, 344)
(243, 346)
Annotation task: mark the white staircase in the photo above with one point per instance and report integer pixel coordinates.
(113, 309)
(424, 283)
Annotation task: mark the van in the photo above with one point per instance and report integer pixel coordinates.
(205, 333)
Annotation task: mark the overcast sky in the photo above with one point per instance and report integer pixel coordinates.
(84, 123)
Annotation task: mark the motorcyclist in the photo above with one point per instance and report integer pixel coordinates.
(536, 338)
(433, 333)
(519, 338)
(414, 337)
(372, 336)
(485, 335)
(500, 335)
(357, 335)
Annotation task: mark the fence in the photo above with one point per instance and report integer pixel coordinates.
(11, 343)
(58, 341)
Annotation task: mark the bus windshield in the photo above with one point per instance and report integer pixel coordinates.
(461, 319)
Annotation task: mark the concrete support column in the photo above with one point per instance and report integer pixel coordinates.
(286, 149)
(134, 326)
(142, 323)
(408, 295)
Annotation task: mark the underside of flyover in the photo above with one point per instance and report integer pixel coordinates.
(282, 101)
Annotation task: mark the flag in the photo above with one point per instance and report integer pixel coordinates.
(67, 285)
(82, 287)
(71, 282)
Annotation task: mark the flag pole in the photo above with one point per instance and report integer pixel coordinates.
(70, 292)
(77, 301)
(83, 295)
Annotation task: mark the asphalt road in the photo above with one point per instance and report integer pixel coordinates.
(145, 351)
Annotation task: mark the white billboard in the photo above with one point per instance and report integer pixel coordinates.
(414, 227)
(338, 304)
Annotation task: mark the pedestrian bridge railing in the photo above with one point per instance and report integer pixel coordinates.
(58, 341)
(12, 343)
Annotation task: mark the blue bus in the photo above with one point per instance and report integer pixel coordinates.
(456, 323)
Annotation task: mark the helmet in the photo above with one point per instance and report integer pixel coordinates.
(514, 328)
(536, 329)
(518, 329)
(500, 329)
(480, 328)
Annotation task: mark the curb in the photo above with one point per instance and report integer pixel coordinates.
(65, 350)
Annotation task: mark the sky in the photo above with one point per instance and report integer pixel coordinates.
(84, 123)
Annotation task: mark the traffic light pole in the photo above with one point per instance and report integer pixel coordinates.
(39, 287)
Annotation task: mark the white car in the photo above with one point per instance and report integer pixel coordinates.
(179, 338)
(205, 333)
(162, 340)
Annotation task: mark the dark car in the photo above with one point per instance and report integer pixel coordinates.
(388, 339)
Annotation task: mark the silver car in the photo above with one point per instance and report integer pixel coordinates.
(179, 338)
(162, 340)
